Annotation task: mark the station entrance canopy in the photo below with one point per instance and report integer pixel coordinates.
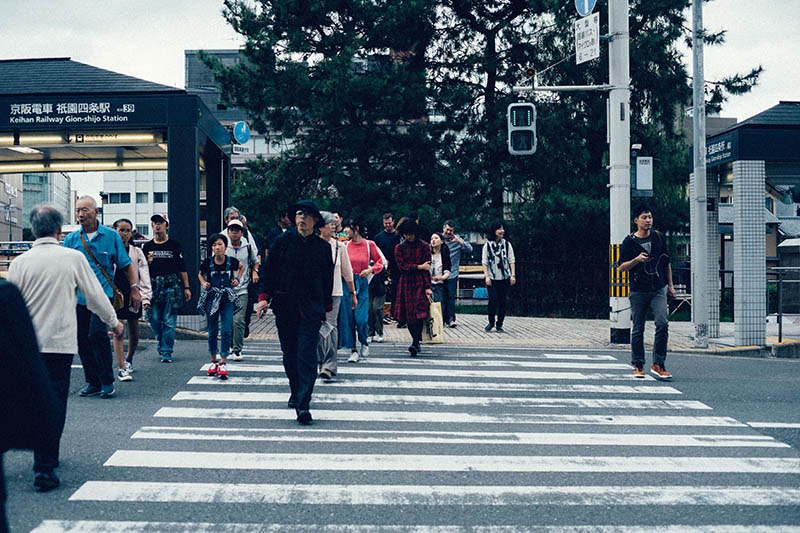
(59, 115)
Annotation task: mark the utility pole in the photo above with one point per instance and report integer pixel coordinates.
(699, 225)
(619, 130)
(619, 139)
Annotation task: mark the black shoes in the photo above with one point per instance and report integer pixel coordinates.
(292, 404)
(488, 327)
(304, 417)
(500, 329)
(45, 481)
(413, 350)
(89, 390)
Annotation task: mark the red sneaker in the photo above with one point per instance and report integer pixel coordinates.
(212, 370)
(660, 372)
(222, 372)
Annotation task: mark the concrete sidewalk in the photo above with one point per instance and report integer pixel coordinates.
(583, 333)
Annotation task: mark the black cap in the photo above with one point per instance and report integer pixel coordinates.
(308, 207)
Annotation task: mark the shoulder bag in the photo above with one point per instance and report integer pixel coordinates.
(119, 298)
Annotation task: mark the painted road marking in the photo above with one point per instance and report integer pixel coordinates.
(345, 415)
(455, 437)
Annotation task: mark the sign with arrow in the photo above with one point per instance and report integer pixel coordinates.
(585, 7)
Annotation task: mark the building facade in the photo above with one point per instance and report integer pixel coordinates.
(134, 195)
(11, 211)
(47, 187)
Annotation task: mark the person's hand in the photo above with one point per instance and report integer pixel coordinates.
(187, 294)
(513, 280)
(206, 285)
(642, 257)
(146, 306)
(429, 294)
(235, 282)
(436, 278)
(260, 308)
(136, 297)
(366, 272)
(488, 281)
(425, 266)
(150, 256)
(671, 291)
(254, 276)
(353, 301)
(119, 330)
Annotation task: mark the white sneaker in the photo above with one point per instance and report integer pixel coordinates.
(237, 356)
(353, 357)
(124, 375)
(377, 338)
(129, 367)
(364, 351)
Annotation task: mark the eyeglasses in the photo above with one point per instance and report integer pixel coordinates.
(302, 212)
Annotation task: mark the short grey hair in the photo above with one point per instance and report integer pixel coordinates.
(89, 197)
(229, 210)
(46, 221)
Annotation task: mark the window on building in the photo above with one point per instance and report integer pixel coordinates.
(769, 203)
(142, 197)
(159, 197)
(119, 198)
(143, 229)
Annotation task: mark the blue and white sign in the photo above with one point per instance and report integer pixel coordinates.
(585, 7)
(241, 132)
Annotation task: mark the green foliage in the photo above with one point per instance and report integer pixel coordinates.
(401, 106)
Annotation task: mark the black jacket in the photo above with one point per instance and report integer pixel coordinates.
(297, 275)
(28, 396)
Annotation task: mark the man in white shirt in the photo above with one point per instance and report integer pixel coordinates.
(49, 277)
(246, 255)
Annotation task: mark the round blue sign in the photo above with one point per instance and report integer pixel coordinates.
(241, 132)
(585, 7)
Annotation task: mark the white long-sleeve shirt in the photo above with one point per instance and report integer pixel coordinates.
(342, 269)
(49, 276)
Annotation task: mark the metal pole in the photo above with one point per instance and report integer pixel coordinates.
(619, 128)
(699, 225)
(780, 306)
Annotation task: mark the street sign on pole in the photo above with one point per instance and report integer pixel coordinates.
(585, 7)
(587, 38)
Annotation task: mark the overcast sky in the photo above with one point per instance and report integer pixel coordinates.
(146, 39)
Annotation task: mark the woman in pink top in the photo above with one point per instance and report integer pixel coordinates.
(366, 261)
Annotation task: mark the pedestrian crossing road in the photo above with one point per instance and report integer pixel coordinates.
(461, 439)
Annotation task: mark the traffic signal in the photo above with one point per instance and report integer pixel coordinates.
(521, 128)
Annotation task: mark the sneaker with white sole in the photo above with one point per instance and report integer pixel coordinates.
(124, 375)
(222, 371)
(237, 356)
(660, 372)
(213, 369)
(353, 357)
(377, 338)
(364, 351)
(129, 367)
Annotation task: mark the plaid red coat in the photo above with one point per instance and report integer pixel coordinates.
(411, 303)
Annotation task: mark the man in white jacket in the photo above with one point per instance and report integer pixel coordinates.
(49, 276)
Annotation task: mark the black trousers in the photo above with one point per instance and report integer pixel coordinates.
(497, 300)
(415, 328)
(45, 458)
(94, 348)
(299, 337)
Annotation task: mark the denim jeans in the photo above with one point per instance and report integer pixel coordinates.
(449, 307)
(162, 319)
(221, 322)
(357, 320)
(94, 348)
(45, 457)
(299, 338)
(640, 302)
(438, 291)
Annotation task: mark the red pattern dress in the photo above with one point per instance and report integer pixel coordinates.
(411, 303)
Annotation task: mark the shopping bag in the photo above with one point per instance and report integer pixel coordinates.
(433, 330)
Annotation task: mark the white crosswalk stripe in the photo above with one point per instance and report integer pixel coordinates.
(450, 431)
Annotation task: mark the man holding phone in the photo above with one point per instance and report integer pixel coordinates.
(644, 254)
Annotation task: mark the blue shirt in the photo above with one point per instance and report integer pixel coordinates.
(455, 255)
(107, 248)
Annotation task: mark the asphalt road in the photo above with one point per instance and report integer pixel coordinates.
(493, 439)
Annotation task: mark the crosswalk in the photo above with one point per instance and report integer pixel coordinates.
(479, 440)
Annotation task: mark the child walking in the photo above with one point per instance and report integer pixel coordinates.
(218, 275)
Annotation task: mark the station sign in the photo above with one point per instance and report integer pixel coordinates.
(49, 112)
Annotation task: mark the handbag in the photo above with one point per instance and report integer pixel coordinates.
(433, 329)
(119, 298)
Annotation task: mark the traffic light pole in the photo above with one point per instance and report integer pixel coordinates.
(619, 138)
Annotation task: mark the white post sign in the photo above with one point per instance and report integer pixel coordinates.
(587, 38)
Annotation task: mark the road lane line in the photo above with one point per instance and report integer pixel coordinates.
(445, 401)
(776, 425)
(455, 437)
(438, 417)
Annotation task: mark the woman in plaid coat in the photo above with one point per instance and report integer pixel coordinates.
(412, 300)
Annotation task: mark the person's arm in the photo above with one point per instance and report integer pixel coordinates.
(485, 264)
(402, 260)
(447, 264)
(187, 292)
(201, 276)
(628, 257)
(145, 286)
(256, 257)
(239, 274)
(124, 261)
(513, 264)
(670, 287)
(377, 257)
(464, 244)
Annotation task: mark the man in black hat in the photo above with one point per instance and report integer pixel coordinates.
(297, 282)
